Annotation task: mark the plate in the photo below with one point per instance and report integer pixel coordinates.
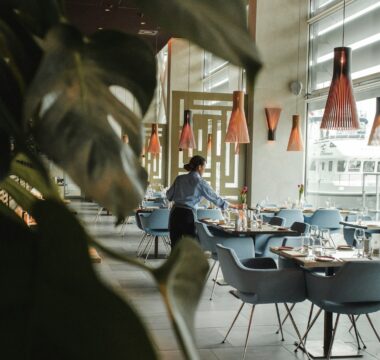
(285, 248)
(325, 258)
(282, 228)
(345, 248)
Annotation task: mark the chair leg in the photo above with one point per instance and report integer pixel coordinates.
(140, 244)
(211, 269)
(357, 334)
(309, 319)
(98, 215)
(213, 286)
(285, 318)
(333, 336)
(143, 250)
(373, 327)
(296, 329)
(149, 249)
(248, 331)
(279, 322)
(308, 329)
(352, 326)
(233, 322)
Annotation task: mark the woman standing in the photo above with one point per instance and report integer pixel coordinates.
(186, 192)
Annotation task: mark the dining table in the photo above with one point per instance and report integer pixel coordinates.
(267, 229)
(372, 227)
(343, 254)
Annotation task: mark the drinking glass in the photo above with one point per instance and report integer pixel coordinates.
(359, 236)
(259, 221)
(314, 231)
(307, 245)
(325, 237)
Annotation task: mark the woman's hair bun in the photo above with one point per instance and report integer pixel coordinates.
(194, 162)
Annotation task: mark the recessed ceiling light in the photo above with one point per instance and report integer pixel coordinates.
(100, 28)
(107, 10)
(143, 23)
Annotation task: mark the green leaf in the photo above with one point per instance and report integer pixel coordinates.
(27, 169)
(5, 151)
(7, 212)
(75, 315)
(73, 85)
(38, 16)
(181, 279)
(219, 26)
(17, 286)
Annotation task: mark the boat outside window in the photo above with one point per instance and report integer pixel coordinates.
(369, 166)
(354, 166)
(341, 166)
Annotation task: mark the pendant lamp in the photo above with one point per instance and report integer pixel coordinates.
(272, 115)
(209, 144)
(237, 131)
(374, 138)
(187, 140)
(340, 112)
(154, 141)
(295, 140)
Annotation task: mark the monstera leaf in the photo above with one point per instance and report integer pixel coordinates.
(219, 26)
(181, 281)
(74, 315)
(73, 125)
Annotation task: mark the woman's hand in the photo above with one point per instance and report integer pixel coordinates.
(235, 206)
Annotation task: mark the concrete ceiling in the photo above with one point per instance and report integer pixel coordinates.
(90, 15)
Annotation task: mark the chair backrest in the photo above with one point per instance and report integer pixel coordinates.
(276, 220)
(269, 285)
(214, 214)
(205, 237)
(290, 216)
(138, 216)
(354, 282)
(157, 220)
(294, 241)
(300, 227)
(157, 203)
(243, 246)
(326, 218)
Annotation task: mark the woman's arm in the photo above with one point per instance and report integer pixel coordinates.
(170, 192)
(208, 193)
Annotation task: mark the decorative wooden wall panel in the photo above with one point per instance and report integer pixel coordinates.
(155, 166)
(211, 113)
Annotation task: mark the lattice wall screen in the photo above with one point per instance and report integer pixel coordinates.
(155, 166)
(211, 113)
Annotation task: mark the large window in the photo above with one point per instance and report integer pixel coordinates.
(362, 34)
(346, 152)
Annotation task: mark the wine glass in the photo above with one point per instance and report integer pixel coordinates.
(259, 221)
(359, 236)
(314, 231)
(307, 246)
(325, 237)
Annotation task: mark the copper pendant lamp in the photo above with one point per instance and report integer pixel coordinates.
(237, 131)
(187, 140)
(154, 146)
(295, 140)
(340, 112)
(374, 138)
(272, 115)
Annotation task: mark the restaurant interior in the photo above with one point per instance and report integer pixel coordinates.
(192, 179)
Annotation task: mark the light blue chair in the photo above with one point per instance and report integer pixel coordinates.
(291, 216)
(156, 226)
(326, 219)
(214, 214)
(348, 232)
(353, 290)
(295, 241)
(159, 203)
(261, 284)
(261, 240)
(243, 247)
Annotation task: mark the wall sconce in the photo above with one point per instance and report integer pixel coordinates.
(272, 115)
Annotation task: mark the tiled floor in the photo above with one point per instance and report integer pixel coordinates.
(213, 317)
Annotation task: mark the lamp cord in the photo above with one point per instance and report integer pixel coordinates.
(299, 45)
(344, 17)
(188, 77)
